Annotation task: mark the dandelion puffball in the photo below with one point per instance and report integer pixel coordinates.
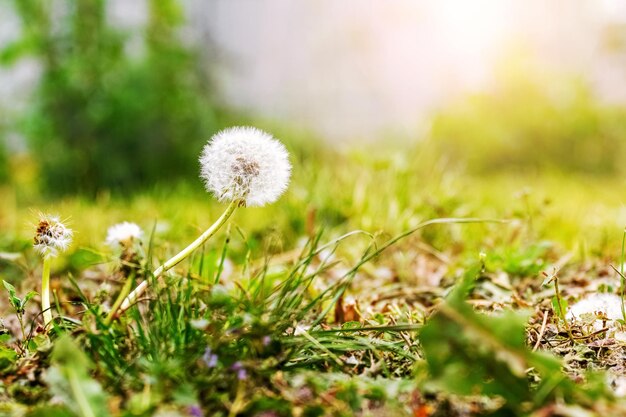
(51, 236)
(246, 164)
(123, 234)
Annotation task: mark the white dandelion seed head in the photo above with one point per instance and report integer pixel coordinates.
(123, 234)
(247, 164)
(52, 236)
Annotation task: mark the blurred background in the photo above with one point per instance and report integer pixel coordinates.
(102, 97)
(118, 94)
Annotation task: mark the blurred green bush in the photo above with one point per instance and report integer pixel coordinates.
(532, 122)
(103, 117)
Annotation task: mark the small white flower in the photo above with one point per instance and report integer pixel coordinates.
(247, 164)
(123, 234)
(51, 236)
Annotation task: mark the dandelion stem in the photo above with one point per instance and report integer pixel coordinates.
(45, 291)
(141, 288)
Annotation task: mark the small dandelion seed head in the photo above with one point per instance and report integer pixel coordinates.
(123, 234)
(247, 164)
(51, 236)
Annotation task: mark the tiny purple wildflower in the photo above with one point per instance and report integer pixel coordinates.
(195, 411)
(210, 359)
(212, 363)
(241, 371)
(206, 355)
(266, 340)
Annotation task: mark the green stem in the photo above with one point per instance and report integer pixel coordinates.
(123, 293)
(141, 288)
(45, 291)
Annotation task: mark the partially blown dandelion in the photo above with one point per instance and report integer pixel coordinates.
(242, 165)
(51, 237)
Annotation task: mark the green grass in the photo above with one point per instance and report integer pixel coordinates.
(327, 302)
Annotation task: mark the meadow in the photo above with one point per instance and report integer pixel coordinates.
(387, 280)
(467, 263)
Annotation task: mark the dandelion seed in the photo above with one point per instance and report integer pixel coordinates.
(123, 234)
(247, 164)
(51, 236)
